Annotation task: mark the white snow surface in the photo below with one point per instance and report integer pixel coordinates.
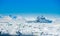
(9, 25)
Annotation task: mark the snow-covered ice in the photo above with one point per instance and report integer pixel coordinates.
(11, 26)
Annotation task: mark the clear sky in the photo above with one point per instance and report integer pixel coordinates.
(30, 7)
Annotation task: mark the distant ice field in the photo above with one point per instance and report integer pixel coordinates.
(11, 24)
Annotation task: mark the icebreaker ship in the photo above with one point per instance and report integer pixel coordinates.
(41, 19)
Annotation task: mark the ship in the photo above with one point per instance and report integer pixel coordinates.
(41, 19)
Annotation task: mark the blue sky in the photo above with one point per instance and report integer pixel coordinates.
(30, 7)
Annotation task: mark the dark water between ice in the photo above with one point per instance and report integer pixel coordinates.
(14, 35)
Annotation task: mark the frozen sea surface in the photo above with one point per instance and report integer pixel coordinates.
(19, 27)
